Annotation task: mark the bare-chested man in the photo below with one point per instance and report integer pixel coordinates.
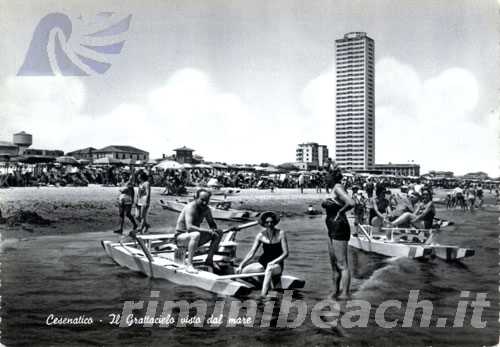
(190, 233)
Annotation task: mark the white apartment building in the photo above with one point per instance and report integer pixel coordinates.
(355, 101)
(312, 154)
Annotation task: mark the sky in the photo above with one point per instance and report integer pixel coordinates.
(246, 81)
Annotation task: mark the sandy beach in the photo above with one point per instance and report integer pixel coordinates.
(71, 210)
(84, 209)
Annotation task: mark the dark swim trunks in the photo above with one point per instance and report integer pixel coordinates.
(337, 229)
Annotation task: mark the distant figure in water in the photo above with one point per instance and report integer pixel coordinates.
(339, 234)
(271, 186)
(479, 195)
(301, 183)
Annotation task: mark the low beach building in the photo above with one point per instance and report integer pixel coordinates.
(84, 153)
(398, 169)
(8, 149)
(19, 147)
(121, 152)
(184, 155)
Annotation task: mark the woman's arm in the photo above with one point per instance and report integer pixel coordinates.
(428, 208)
(251, 253)
(284, 245)
(342, 194)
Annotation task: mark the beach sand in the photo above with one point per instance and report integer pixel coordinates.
(94, 208)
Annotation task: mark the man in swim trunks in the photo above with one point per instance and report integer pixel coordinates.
(189, 233)
(458, 192)
(479, 195)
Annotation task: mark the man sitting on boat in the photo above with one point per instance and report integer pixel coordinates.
(380, 207)
(189, 233)
(275, 251)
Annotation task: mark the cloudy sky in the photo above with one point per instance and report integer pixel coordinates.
(246, 81)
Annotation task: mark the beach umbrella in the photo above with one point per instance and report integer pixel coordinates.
(271, 169)
(244, 167)
(288, 166)
(65, 159)
(34, 159)
(106, 161)
(168, 164)
(213, 182)
(127, 161)
(83, 161)
(203, 166)
(218, 166)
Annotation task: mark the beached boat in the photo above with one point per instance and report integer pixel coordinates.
(221, 213)
(154, 256)
(214, 190)
(402, 242)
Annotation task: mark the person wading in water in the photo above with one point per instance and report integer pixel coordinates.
(339, 234)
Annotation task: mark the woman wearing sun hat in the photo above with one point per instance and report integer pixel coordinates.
(275, 251)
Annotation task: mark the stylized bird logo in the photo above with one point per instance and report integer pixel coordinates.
(50, 53)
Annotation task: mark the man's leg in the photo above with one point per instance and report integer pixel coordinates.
(122, 219)
(214, 246)
(128, 211)
(194, 238)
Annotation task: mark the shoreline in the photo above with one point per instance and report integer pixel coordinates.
(94, 208)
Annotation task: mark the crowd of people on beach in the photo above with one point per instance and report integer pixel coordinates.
(175, 181)
(374, 201)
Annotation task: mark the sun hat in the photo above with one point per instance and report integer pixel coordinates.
(267, 214)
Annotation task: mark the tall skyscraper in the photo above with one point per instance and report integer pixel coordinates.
(355, 105)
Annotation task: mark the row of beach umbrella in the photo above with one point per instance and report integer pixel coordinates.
(165, 164)
(173, 165)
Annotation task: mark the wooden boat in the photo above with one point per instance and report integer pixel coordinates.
(411, 243)
(217, 212)
(215, 190)
(154, 256)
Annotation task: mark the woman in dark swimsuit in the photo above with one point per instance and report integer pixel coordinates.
(339, 233)
(275, 251)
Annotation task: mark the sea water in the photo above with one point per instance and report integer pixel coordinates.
(48, 279)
